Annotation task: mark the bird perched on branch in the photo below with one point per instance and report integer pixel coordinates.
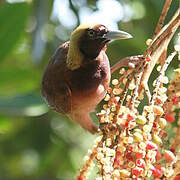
(78, 74)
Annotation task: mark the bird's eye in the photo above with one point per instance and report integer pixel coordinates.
(91, 33)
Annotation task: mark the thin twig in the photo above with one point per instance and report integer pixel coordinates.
(139, 73)
(128, 72)
(85, 167)
(135, 93)
(165, 34)
(159, 44)
(158, 80)
(125, 90)
(75, 11)
(162, 17)
(176, 142)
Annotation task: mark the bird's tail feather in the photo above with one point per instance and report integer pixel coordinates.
(85, 121)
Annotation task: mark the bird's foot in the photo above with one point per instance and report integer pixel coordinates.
(130, 62)
(133, 61)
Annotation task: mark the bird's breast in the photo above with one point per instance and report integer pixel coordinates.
(90, 82)
(89, 76)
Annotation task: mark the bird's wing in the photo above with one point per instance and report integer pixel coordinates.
(55, 88)
(62, 101)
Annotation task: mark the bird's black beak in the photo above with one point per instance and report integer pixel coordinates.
(113, 35)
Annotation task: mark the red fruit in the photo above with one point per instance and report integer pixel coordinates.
(158, 100)
(158, 156)
(147, 59)
(169, 117)
(116, 159)
(138, 155)
(80, 178)
(129, 156)
(177, 177)
(117, 162)
(169, 156)
(151, 146)
(175, 100)
(120, 116)
(126, 124)
(157, 171)
(129, 117)
(172, 150)
(118, 153)
(131, 147)
(155, 124)
(141, 163)
(137, 171)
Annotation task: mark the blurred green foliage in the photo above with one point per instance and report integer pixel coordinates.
(36, 143)
(17, 14)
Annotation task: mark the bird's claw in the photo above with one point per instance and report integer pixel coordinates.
(130, 62)
(133, 61)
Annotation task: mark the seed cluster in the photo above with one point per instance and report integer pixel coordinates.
(172, 115)
(132, 141)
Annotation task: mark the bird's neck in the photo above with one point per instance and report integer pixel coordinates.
(75, 57)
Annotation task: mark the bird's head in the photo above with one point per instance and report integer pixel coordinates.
(87, 41)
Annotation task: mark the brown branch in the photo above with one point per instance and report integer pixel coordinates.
(135, 92)
(162, 17)
(125, 90)
(138, 76)
(165, 35)
(176, 142)
(157, 49)
(160, 25)
(84, 169)
(159, 44)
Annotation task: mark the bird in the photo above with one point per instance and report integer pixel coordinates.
(78, 74)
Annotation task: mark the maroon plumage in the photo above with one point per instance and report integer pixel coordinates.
(78, 75)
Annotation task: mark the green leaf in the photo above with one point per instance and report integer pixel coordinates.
(24, 105)
(12, 23)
